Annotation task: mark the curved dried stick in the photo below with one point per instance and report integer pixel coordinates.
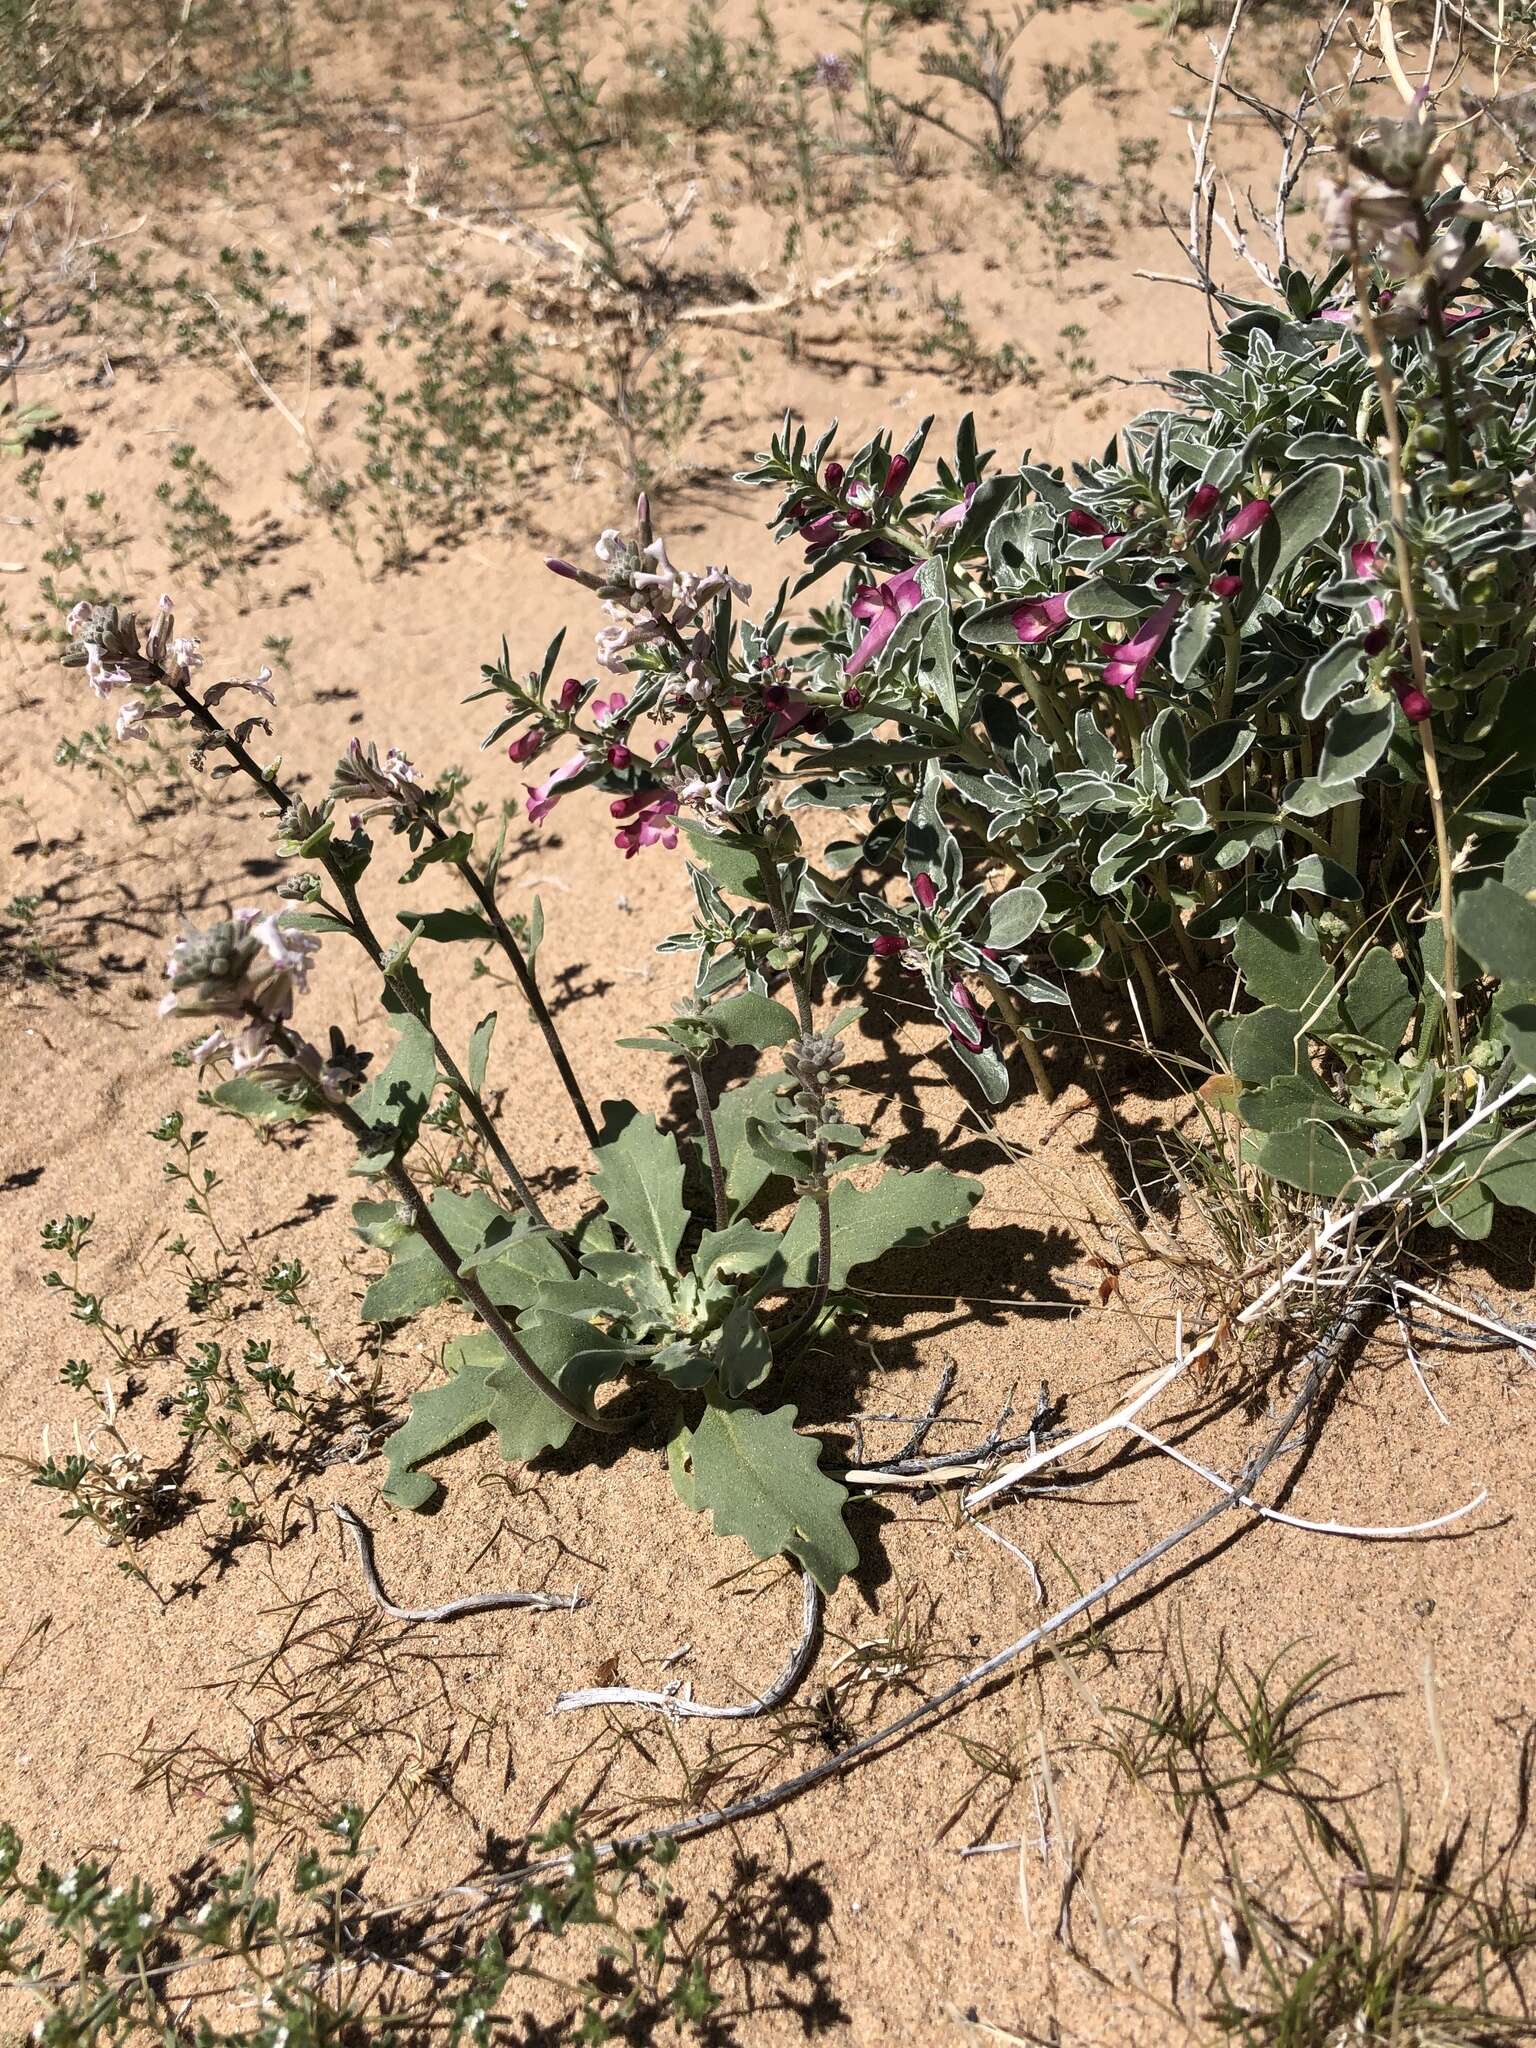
(671, 1703)
(450, 1610)
(1373, 1532)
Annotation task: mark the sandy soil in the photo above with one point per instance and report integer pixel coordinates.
(853, 1913)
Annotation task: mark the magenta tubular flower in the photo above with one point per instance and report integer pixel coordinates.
(527, 744)
(570, 693)
(888, 945)
(1130, 659)
(653, 823)
(1203, 501)
(896, 474)
(924, 890)
(821, 532)
(1227, 584)
(1085, 523)
(1041, 618)
(1365, 560)
(954, 515)
(1248, 519)
(1363, 557)
(606, 710)
(543, 797)
(1416, 706)
(833, 475)
(976, 1037)
(882, 606)
(853, 697)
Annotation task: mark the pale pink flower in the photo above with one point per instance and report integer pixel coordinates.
(882, 606)
(543, 796)
(1130, 659)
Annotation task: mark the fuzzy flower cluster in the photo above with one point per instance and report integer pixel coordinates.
(245, 969)
(645, 596)
(1380, 203)
(107, 647)
(370, 786)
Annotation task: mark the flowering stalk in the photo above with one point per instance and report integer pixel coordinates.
(175, 676)
(1386, 388)
(711, 1138)
(812, 1062)
(485, 896)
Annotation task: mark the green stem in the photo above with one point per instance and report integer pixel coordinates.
(458, 1081)
(1014, 1019)
(1232, 642)
(485, 896)
(773, 895)
(466, 1284)
(711, 1138)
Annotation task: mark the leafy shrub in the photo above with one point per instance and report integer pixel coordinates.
(1250, 695)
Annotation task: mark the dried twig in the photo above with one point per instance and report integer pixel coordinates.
(450, 1610)
(679, 1707)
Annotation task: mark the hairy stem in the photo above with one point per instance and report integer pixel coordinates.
(357, 922)
(711, 1138)
(1381, 369)
(466, 1284)
(1013, 1018)
(485, 896)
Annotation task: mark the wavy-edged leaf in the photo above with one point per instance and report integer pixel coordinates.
(899, 1211)
(488, 1387)
(1498, 928)
(763, 1483)
(511, 1261)
(1378, 1003)
(1281, 963)
(394, 1102)
(640, 1178)
(752, 1020)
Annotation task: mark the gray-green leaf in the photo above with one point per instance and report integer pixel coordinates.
(762, 1482)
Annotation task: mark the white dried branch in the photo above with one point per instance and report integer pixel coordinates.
(679, 1707)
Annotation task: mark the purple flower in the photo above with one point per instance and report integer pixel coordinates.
(543, 796)
(606, 710)
(955, 514)
(821, 532)
(897, 472)
(835, 72)
(924, 890)
(1227, 584)
(882, 606)
(649, 820)
(1248, 519)
(974, 1039)
(527, 744)
(1041, 618)
(1365, 560)
(1085, 523)
(1130, 659)
(853, 697)
(570, 693)
(1203, 501)
(834, 474)
(888, 945)
(619, 755)
(1416, 706)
